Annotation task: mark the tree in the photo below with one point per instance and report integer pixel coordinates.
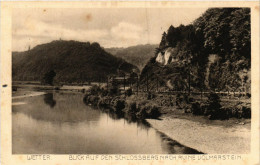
(163, 42)
(48, 77)
(240, 33)
(95, 45)
(133, 78)
(224, 32)
(174, 35)
(48, 99)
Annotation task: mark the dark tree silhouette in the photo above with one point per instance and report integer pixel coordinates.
(48, 99)
(163, 41)
(48, 77)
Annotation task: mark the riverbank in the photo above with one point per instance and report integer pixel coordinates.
(212, 137)
(200, 132)
(230, 136)
(48, 87)
(30, 90)
(24, 93)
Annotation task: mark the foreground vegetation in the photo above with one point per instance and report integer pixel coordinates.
(121, 104)
(150, 105)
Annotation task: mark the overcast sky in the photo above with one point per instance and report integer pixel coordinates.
(109, 27)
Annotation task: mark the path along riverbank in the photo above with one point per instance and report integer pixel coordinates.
(205, 137)
(23, 94)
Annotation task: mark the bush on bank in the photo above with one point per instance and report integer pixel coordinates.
(213, 109)
(120, 104)
(150, 108)
(143, 109)
(117, 104)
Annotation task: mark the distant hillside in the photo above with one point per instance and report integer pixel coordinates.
(72, 61)
(212, 53)
(137, 55)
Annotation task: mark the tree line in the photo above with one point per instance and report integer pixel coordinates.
(213, 53)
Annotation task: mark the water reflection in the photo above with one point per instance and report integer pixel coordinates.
(127, 117)
(68, 108)
(48, 99)
(169, 145)
(68, 126)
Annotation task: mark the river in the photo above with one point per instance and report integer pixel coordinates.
(60, 123)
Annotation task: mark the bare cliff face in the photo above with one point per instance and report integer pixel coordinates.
(165, 57)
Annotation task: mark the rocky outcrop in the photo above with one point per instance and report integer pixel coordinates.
(160, 58)
(166, 56)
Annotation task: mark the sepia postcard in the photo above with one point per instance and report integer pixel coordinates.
(121, 82)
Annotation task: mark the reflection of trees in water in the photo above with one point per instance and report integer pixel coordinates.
(114, 115)
(48, 99)
(70, 109)
(128, 117)
(173, 147)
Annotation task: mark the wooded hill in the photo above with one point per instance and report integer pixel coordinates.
(71, 61)
(212, 53)
(138, 55)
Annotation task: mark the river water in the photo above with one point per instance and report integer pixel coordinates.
(60, 123)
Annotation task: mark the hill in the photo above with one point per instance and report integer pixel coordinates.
(138, 55)
(71, 61)
(212, 53)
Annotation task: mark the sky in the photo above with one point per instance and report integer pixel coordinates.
(110, 27)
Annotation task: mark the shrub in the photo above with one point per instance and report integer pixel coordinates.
(246, 113)
(132, 108)
(117, 104)
(86, 99)
(153, 111)
(95, 90)
(141, 113)
(147, 109)
(150, 95)
(178, 100)
(48, 77)
(233, 112)
(184, 102)
(94, 100)
(104, 92)
(185, 98)
(114, 90)
(196, 109)
(243, 110)
(129, 92)
(120, 105)
(104, 102)
(91, 99)
(213, 110)
(152, 60)
(207, 108)
(221, 113)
